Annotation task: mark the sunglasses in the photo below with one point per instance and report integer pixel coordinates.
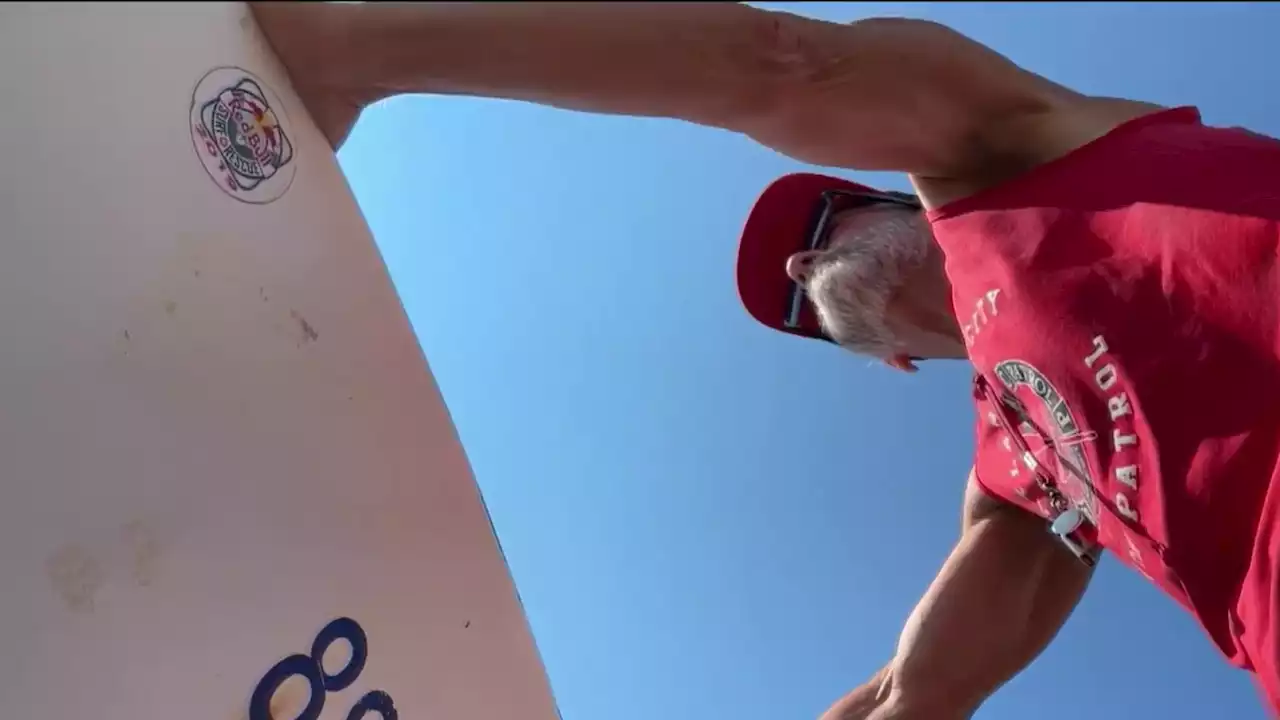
(830, 205)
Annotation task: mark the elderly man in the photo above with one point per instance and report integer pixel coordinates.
(1105, 264)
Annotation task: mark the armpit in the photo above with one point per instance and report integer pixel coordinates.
(980, 502)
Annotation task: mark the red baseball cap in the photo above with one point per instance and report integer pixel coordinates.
(785, 220)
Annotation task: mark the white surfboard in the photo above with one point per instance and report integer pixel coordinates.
(229, 488)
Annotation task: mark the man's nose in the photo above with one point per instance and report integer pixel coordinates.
(800, 265)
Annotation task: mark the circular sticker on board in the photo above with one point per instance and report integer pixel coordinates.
(238, 127)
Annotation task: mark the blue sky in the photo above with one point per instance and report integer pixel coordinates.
(706, 519)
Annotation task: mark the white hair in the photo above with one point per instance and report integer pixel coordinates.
(851, 283)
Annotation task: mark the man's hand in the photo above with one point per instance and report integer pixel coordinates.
(1000, 597)
(310, 40)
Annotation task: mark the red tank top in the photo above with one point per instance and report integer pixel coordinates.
(1125, 297)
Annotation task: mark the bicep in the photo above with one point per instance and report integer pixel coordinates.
(894, 94)
(1000, 598)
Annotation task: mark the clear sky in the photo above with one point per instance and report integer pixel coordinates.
(706, 519)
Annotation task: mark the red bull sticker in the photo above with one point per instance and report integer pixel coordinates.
(240, 133)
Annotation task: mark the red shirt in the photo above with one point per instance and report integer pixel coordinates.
(1127, 294)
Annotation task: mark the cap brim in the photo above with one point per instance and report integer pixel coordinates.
(777, 228)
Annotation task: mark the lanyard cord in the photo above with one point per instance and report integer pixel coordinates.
(1047, 483)
(1068, 523)
(1057, 500)
(1044, 481)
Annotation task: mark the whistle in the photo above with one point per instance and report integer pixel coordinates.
(1074, 530)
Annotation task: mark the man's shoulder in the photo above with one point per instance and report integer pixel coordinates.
(1022, 143)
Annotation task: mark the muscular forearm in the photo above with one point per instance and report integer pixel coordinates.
(705, 62)
(860, 703)
(877, 699)
(998, 600)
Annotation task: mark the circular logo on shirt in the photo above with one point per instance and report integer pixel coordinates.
(240, 135)
(1050, 416)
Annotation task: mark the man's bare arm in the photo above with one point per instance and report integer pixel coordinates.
(1000, 598)
(878, 94)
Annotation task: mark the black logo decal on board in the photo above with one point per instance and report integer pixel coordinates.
(240, 133)
(311, 668)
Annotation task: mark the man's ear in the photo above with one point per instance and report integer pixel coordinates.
(901, 362)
